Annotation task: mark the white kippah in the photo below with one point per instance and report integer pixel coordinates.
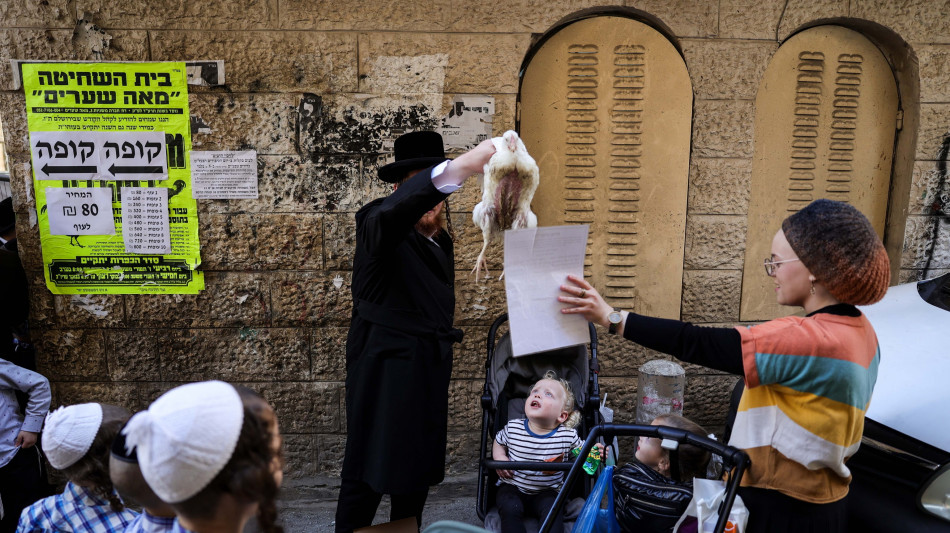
(69, 432)
(186, 437)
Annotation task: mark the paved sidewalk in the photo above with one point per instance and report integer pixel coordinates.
(309, 504)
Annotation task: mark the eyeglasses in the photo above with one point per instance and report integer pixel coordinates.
(771, 266)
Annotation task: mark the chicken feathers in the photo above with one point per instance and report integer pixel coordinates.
(510, 180)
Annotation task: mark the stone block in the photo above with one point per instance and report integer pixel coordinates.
(363, 123)
(505, 113)
(85, 42)
(311, 298)
(229, 299)
(800, 12)
(262, 122)
(133, 396)
(934, 61)
(440, 62)
(462, 452)
(723, 128)
(262, 241)
(685, 18)
(48, 310)
(232, 354)
(328, 354)
(478, 304)
(726, 69)
(329, 454)
(773, 19)
(305, 407)
(915, 22)
(339, 240)
(715, 242)
(531, 16)
(711, 295)
(920, 235)
(934, 131)
(300, 454)
(295, 184)
(33, 14)
(619, 357)
(719, 186)
(465, 409)
(368, 15)
(925, 193)
(268, 61)
(16, 135)
(706, 400)
(173, 14)
(621, 397)
(71, 354)
(470, 354)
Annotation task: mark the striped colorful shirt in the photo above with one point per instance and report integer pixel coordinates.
(808, 384)
(526, 445)
(75, 510)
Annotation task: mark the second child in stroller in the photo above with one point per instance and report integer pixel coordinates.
(546, 434)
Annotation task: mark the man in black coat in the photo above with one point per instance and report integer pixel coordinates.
(399, 347)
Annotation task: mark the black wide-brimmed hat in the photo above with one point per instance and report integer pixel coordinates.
(413, 151)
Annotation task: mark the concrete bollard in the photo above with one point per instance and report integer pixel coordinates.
(660, 388)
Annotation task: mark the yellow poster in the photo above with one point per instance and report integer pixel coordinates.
(109, 145)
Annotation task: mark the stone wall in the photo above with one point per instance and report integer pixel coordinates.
(316, 87)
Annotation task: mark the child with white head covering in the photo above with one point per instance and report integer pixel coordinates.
(212, 451)
(77, 440)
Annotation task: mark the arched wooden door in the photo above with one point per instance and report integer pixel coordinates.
(605, 109)
(825, 119)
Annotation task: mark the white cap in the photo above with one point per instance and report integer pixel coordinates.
(186, 437)
(69, 432)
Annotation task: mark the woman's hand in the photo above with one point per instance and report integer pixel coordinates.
(584, 300)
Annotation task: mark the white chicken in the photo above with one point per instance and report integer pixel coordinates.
(511, 178)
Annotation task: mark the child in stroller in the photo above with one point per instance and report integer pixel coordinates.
(546, 434)
(508, 382)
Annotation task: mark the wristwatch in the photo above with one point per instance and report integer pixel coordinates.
(615, 317)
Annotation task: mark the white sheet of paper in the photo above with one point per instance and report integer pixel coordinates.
(87, 155)
(537, 262)
(224, 175)
(137, 155)
(145, 220)
(80, 211)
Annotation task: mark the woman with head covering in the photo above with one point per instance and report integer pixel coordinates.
(808, 379)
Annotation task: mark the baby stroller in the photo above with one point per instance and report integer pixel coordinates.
(509, 379)
(734, 462)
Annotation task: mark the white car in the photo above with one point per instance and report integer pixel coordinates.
(902, 470)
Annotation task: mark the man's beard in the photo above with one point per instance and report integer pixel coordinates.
(430, 226)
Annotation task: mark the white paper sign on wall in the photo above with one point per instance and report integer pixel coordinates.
(80, 211)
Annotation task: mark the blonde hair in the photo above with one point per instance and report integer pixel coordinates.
(575, 416)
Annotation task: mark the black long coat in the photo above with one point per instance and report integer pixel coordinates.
(399, 347)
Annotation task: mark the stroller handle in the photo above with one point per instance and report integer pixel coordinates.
(731, 457)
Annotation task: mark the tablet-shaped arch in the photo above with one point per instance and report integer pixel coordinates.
(605, 109)
(825, 119)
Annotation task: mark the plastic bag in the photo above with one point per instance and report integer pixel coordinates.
(707, 495)
(593, 519)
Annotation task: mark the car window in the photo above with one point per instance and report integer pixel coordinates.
(936, 291)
